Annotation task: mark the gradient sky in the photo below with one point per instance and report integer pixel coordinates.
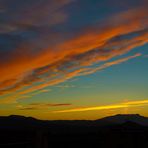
(73, 59)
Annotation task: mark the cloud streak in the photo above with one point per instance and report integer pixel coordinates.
(38, 106)
(34, 55)
(107, 107)
(79, 72)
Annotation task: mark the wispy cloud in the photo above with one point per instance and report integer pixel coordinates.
(106, 107)
(109, 64)
(21, 15)
(79, 72)
(38, 56)
(38, 106)
(65, 86)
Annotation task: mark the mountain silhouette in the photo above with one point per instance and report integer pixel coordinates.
(16, 121)
(125, 131)
(122, 118)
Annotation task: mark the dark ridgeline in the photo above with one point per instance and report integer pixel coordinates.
(119, 131)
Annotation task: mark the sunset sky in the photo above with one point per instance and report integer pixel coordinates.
(73, 59)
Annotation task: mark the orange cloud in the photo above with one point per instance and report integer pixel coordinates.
(71, 57)
(67, 76)
(108, 64)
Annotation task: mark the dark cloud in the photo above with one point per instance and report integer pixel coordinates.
(37, 106)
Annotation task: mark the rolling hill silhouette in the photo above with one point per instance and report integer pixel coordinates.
(16, 121)
(122, 118)
(127, 131)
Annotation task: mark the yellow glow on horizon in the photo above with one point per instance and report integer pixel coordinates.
(107, 107)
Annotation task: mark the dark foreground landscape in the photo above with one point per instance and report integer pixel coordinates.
(119, 131)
